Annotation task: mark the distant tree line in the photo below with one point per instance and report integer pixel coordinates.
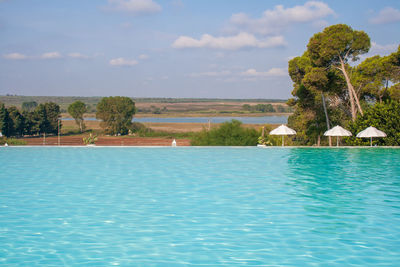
(115, 113)
(153, 109)
(33, 119)
(266, 108)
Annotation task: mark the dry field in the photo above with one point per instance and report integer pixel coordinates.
(157, 126)
(196, 109)
(201, 108)
(76, 140)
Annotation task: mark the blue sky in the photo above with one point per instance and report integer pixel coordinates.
(172, 48)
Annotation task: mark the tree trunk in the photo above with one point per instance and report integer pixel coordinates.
(351, 99)
(319, 140)
(325, 111)
(357, 101)
(326, 117)
(384, 91)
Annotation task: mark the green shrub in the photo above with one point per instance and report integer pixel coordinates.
(383, 116)
(137, 127)
(228, 134)
(12, 141)
(90, 140)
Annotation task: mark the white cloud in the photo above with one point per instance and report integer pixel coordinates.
(273, 21)
(143, 56)
(386, 15)
(177, 3)
(15, 56)
(248, 75)
(210, 74)
(241, 40)
(377, 48)
(51, 55)
(245, 31)
(273, 72)
(48, 55)
(135, 7)
(78, 55)
(123, 62)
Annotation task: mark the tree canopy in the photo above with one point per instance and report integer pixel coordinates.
(18, 121)
(4, 121)
(46, 118)
(116, 114)
(377, 77)
(314, 88)
(29, 106)
(333, 48)
(76, 110)
(43, 120)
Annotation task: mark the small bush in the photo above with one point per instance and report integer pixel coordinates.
(12, 141)
(90, 140)
(228, 134)
(137, 127)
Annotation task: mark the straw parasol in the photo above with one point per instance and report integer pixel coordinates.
(371, 132)
(283, 130)
(337, 131)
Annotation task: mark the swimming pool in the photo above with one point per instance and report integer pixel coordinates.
(199, 206)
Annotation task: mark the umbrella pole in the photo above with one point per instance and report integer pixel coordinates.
(371, 140)
(283, 140)
(337, 141)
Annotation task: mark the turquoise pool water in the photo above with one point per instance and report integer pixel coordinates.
(199, 207)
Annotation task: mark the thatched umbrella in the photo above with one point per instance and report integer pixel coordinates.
(337, 131)
(283, 130)
(371, 132)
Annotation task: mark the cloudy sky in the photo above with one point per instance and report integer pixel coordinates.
(172, 48)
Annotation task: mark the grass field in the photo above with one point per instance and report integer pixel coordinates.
(69, 127)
